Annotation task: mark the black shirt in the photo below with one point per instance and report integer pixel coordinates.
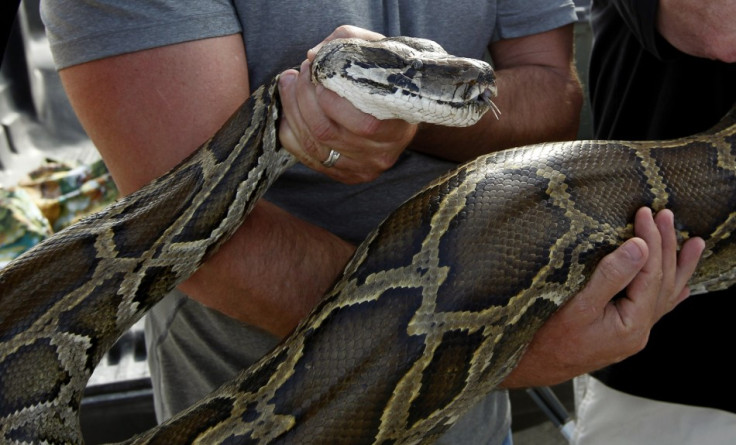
(642, 88)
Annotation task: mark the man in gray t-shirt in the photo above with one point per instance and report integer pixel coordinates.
(151, 80)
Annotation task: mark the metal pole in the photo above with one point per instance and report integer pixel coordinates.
(551, 406)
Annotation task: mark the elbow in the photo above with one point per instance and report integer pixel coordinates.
(569, 116)
(575, 106)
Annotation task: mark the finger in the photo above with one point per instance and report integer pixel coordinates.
(290, 112)
(304, 118)
(361, 162)
(293, 131)
(367, 145)
(350, 31)
(359, 124)
(665, 222)
(334, 121)
(645, 288)
(319, 132)
(343, 32)
(292, 124)
(688, 260)
(614, 272)
(345, 113)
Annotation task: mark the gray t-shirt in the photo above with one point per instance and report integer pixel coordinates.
(192, 349)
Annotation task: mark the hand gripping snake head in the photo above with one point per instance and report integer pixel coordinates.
(407, 78)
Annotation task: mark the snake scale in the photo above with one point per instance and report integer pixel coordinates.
(438, 303)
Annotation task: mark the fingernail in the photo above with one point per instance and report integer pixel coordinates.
(287, 79)
(633, 251)
(313, 51)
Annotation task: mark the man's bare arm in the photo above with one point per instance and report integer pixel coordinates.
(145, 112)
(539, 96)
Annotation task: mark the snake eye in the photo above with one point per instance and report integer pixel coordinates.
(417, 64)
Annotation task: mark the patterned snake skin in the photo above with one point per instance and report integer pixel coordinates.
(438, 304)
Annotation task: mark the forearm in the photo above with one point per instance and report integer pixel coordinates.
(286, 265)
(539, 96)
(537, 104)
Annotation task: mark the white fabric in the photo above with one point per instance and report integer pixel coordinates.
(606, 416)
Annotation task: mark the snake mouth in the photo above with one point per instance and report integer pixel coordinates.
(485, 99)
(486, 96)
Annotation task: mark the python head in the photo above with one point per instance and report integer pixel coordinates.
(407, 78)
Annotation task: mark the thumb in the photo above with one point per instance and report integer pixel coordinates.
(615, 271)
(287, 135)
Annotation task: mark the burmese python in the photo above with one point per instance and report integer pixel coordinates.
(439, 301)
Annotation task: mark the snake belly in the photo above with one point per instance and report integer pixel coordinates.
(432, 312)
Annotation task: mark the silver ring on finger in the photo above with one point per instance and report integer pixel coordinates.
(331, 158)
